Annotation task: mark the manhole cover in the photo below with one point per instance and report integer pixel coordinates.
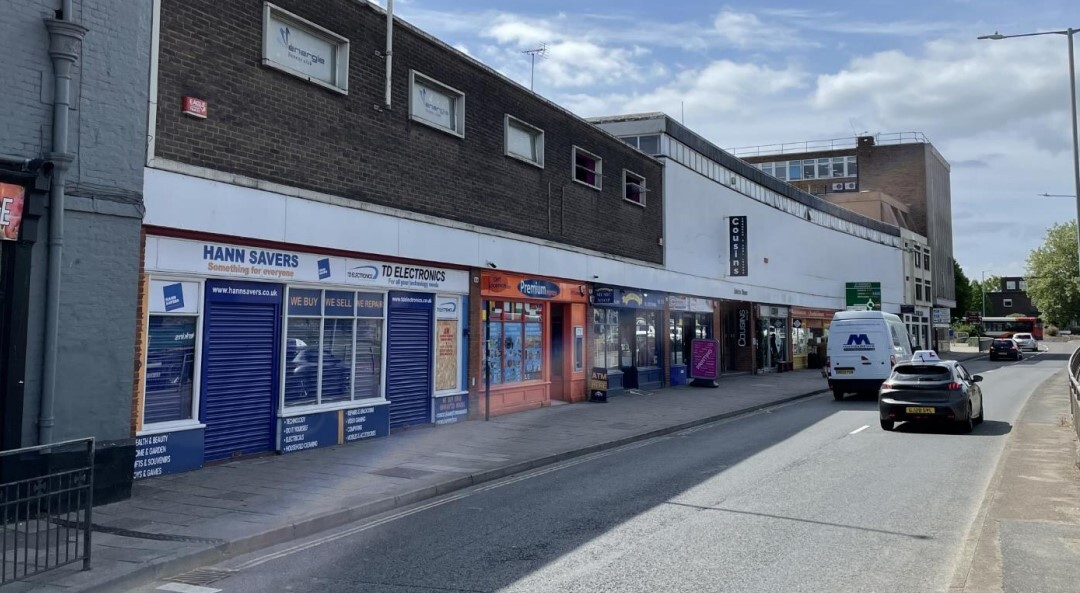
(202, 576)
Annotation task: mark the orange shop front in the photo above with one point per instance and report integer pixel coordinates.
(534, 341)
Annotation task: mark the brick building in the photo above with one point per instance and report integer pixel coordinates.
(1011, 298)
(78, 384)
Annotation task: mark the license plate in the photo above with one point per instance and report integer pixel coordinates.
(845, 371)
(914, 410)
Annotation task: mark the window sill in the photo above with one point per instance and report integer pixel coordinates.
(588, 185)
(175, 426)
(537, 164)
(639, 204)
(436, 126)
(298, 74)
(318, 409)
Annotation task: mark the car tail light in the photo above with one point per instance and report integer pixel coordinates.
(886, 385)
(892, 360)
(954, 387)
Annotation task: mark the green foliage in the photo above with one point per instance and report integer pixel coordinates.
(966, 298)
(1052, 271)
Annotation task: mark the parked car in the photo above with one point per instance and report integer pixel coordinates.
(921, 390)
(1005, 347)
(1026, 342)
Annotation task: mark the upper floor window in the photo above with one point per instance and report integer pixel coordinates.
(435, 104)
(633, 187)
(649, 144)
(926, 261)
(852, 166)
(1023, 285)
(918, 261)
(1010, 285)
(302, 48)
(524, 142)
(588, 168)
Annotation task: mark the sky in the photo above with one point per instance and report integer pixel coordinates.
(749, 73)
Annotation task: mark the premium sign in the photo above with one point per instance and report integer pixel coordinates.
(704, 356)
(12, 198)
(737, 237)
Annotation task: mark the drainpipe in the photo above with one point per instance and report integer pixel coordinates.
(389, 47)
(65, 38)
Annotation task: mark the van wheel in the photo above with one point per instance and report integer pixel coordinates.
(837, 393)
(887, 424)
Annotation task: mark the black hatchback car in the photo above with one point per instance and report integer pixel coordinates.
(1005, 348)
(927, 391)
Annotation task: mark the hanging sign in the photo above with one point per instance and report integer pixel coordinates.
(737, 237)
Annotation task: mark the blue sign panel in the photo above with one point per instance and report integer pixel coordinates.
(303, 301)
(174, 296)
(236, 291)
(603, 296)
(168, 453)
(307, 432)
(367, 423)
(324, 268)
(339, 303)
(451, 409)
(369, 304)
(538, 289)
(411, 300)
(628, 298)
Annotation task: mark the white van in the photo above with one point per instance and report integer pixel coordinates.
(864, 346)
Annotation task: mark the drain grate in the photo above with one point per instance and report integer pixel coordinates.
(202, 576)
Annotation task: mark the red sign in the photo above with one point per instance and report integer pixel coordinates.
(12, 198)
(195, 107)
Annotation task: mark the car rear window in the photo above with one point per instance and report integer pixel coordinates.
(922, 372)
(1005, 343)
(1022, 336)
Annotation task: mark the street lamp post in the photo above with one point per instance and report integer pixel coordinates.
(1072, 94)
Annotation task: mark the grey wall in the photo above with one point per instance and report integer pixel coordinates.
(104, 207)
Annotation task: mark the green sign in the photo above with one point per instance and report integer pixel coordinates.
(864, 295)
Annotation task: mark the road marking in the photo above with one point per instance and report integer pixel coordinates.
(858, 430)
(185, 588)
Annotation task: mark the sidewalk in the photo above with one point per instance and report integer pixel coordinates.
(1027, 534)
(175, 523)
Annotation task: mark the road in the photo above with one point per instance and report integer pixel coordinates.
(811, 496)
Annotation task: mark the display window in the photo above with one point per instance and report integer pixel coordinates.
(516, 341)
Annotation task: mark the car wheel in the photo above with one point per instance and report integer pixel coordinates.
(837, 393)
(982, 413)
(992, 357)
(967, 424)
(886, 424)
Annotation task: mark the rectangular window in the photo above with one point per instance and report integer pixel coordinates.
(838, 167)
(918, 261)
(809, 169)
(1010, 285)
(605, 338)
(823, 168)
(516, 346)
(435, 104)
(645, 342)
(306, 50)
(579, 348)
(780, 172)
(649, 144)
(852, 166)
(333, 347)
(170, 368)
(588, 168)
(794, 170)
(926, 261)
(631, 140)
(1023, 285)
(524, 142)
(633, 187)
(767, 168)
(918, 291)
(1006, 302)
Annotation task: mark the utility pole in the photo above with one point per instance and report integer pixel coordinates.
(539, 51)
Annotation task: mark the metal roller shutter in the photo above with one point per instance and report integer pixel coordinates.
(409, 361)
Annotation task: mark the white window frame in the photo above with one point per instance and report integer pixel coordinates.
(459, 103)
(341, 50)
(459, 388)
(193, 422)
(1007, 303)
(599, 172)
(644, 189)
(538, 140)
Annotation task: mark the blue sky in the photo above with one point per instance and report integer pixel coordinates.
(753, 73)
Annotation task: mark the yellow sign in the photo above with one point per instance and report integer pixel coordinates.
(446, 354)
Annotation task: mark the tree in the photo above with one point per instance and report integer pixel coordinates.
(964, 300)
(1052, 275)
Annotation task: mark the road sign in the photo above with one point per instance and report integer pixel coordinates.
(863, 295)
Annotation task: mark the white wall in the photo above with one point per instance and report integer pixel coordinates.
(696, 239)
(808, 263)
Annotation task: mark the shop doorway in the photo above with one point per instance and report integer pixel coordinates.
(557, 331)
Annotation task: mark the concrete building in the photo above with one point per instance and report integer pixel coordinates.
(906, 166)
(67, 314)
(918, 288)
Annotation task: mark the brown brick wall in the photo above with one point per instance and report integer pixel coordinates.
(270, 125)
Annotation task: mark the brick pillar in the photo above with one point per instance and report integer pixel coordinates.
(140, 340)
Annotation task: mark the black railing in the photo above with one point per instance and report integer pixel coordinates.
(1074, 388)
(46, 496)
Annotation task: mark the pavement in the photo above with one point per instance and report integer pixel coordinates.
(172, 524)
(1027, 534)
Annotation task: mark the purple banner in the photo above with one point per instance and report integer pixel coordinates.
(703, 359)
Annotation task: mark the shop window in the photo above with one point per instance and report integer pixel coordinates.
(645, 343)
(169, 388)
(516, 344)
(677, 331)
(633, 187)
(333, 348)
(606, 338)
(588, 168)
(524, 142)
(435, 104)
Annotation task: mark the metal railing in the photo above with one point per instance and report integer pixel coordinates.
(46, 497)
(829, 144)
(1074, 388)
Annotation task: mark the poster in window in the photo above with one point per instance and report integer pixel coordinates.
(511, 352)
(534, 351)
(170, 366)
(446, 355)
(494, 349)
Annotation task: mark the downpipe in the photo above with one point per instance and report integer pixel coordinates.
(65, 39)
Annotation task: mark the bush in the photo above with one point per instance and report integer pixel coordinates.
(1051, 330)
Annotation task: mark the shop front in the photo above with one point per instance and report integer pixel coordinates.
(809, 336)
(250, 350)
(626, 337)
(534, 344)
(737, 355)
(15, 263)
(773, 343)
(689, 319)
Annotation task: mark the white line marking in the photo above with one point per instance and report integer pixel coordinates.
(185, 588)
(858, 430)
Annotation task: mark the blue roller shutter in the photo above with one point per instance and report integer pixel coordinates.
(409, 357)
(240, 368)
